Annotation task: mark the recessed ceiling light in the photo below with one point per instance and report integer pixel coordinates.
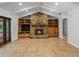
(56, 3)
(20, 3)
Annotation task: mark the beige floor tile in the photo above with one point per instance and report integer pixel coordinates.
(39, 47)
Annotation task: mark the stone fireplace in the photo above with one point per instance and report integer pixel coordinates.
(39, 25)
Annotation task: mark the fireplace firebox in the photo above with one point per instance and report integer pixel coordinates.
(39, 32)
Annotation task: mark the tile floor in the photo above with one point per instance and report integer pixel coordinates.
(49, 47)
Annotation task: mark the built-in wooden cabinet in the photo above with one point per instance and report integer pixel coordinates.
(53, 28)
(38, 22)
(5, 30)
(23, 28)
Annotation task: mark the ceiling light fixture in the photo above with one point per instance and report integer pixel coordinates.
(20, 3)
(56, 3)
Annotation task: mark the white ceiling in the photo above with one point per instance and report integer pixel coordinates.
(28, 7)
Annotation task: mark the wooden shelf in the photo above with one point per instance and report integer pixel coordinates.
(53, 27)
(20, 23)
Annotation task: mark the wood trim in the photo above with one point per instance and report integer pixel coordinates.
(9, 29)
(5, 17)
(4, 31)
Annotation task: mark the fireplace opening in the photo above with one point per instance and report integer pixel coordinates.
(39, 32)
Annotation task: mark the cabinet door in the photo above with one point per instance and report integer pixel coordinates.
(51, 32)
(1, 31)
(55, 32)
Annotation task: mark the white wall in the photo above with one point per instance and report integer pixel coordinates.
(73, 27)
(14, 23)
(14, 27)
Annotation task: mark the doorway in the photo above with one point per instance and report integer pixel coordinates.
(65, 27)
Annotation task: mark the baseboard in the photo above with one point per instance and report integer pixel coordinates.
(73, 44)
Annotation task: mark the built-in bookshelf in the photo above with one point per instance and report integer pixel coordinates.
(53, 27)
(53, 23)
(23, 28)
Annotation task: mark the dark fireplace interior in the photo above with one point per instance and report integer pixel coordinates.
(39, 32)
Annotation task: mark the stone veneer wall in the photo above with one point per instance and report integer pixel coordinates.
(39, 21)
